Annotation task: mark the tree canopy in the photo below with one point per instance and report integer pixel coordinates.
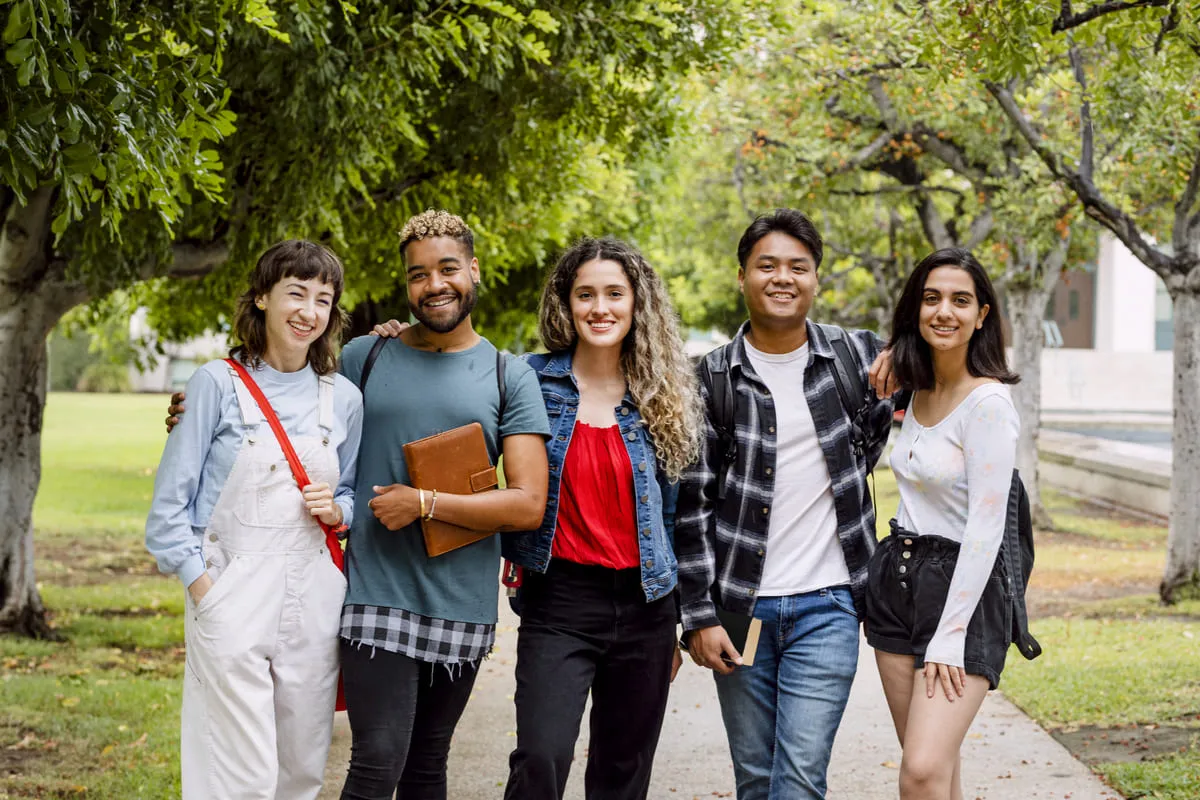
(181, 139)
(156, 148)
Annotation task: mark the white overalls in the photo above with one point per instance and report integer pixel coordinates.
(262, 645)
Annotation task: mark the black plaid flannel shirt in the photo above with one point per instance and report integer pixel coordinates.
(721, 547)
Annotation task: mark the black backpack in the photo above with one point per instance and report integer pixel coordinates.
(1017, 552)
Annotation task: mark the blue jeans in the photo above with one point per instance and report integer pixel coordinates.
(782, 713)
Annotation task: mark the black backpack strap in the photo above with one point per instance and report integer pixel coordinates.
(501, 384)
(848, 378)
(1017, 515)
(846, 373)
(369, 364)
(714, 374)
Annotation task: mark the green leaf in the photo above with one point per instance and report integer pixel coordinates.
(25, 71)
(542, 20)
(19, 20)
(81, 158)
(79, 53)
(62, 81)
(451, 26)
(19, 52)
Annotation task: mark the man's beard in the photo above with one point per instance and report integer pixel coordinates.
(465, 307)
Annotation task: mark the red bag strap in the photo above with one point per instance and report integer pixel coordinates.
(289, 452)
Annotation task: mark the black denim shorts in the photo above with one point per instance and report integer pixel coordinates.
(908, 580)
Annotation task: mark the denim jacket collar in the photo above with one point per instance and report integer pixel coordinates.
(558, 365)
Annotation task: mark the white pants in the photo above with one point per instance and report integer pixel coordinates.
(262, 666)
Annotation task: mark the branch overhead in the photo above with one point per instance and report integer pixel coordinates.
(1095, 205)
(197, 259)
(1087, 158)
(1185, 221)
(1068, 19)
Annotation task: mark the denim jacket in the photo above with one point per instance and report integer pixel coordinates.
(653, 493)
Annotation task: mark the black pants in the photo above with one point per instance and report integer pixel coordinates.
(589, 628)
(402, 715)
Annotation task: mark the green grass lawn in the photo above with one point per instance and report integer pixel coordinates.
(97, 715)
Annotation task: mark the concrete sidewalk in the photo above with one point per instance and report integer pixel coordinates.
(1005, 755)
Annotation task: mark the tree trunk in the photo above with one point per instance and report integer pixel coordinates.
(1026, 309)
(1181, 578)
(32, 300)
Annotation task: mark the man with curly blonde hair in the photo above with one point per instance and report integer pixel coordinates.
(415, 628)
(444, 311)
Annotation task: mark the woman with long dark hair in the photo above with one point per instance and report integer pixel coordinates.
(937, 609)
(263, 596)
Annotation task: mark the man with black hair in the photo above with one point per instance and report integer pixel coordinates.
(775, 519)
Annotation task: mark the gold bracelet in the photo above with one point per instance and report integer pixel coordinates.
(432, 506)
(421, 495)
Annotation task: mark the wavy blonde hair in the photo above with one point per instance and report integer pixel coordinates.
(657, 371)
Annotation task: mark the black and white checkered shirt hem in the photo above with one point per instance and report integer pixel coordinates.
(436, 641)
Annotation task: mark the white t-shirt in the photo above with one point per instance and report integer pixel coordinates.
(803, 551)
(954, 479)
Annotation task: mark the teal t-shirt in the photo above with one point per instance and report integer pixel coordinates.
(412, 394)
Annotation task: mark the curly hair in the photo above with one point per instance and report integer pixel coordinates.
(657, 371)
(436, 222)
(291, 258)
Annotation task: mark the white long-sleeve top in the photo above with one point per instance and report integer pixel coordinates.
(954, 478)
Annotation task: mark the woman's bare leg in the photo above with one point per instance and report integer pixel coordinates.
(933, 735)
(896, 672)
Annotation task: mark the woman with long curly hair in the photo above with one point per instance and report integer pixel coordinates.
(597, 601)
(598, 608)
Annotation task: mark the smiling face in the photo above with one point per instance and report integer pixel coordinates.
(779, 281)
(950, 310)
(297, 313)
(601, 304)
(441, 282)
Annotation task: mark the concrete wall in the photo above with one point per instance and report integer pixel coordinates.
(1121, 474)
(1093, 381)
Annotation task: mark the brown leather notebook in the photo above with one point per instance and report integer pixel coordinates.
(453, 462)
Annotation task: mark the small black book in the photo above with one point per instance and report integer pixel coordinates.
(743, 631)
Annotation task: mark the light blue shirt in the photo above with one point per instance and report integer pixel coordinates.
(200, 453)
